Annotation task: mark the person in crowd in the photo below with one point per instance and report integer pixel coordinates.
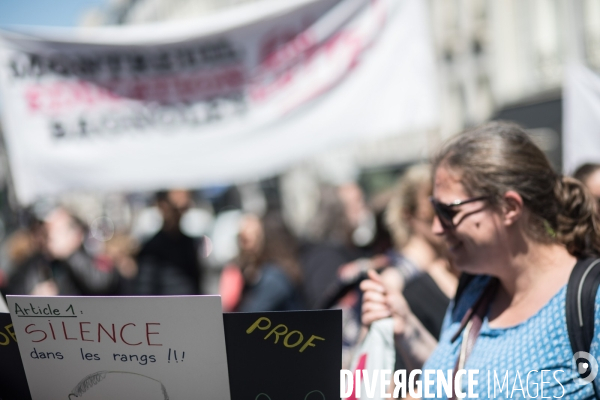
(419, 257)
(420, 268)
(22, 244)
(331, 244)
(417, 254)
(28, 260)
(345, 241)
(417, 265)
(168, 263)
(57, 263)
(589, 174)
(266, 275)
(120, 251)
(517, 229)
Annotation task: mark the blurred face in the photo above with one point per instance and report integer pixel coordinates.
(423, 217)
(354, 203)
(180, 200)
(475, 238)
(64, 235)
(250, 236)
(593, 183)
(177, 203)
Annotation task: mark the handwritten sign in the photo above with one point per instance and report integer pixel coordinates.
(294, 355)
(122, 347)
(13, 383)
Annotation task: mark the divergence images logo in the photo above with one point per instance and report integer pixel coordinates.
(587, 366)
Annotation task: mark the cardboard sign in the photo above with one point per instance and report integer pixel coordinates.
(13, 383)
(122, 347)
(294, 355)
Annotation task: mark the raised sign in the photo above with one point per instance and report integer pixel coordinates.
(122, 347)
(294, 355)
(13, 384)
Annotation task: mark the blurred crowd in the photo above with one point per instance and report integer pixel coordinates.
(273, 269)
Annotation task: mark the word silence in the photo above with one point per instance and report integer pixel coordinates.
(128, 333)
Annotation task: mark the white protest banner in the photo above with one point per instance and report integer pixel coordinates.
(135, 348)
(231, 97)
(581, 117)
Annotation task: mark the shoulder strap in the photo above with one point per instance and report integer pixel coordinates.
(463, 282)
(470, 326)
(581, 297)
(580, 303)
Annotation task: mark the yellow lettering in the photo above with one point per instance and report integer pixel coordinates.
(257, 325)
(11, 331)
(277, 333)
(285, 341)
(309, 342)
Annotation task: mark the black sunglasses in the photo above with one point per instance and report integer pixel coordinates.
(446, 212)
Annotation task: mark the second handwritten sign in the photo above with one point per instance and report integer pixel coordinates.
(294, 355)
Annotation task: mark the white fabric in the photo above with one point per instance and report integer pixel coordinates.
(378, 346)
(581, 118)
(217, 101)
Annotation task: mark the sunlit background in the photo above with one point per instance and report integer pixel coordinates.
(495, 59)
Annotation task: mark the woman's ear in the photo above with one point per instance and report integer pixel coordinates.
(512, 208)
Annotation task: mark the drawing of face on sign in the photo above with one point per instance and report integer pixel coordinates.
(313, 395)
(118, 385)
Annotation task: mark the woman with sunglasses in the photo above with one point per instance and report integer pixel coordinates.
(517, 228)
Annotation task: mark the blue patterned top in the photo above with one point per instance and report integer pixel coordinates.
(540, 343)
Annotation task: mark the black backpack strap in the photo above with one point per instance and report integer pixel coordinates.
(580, 306)
(463, 282)
(581, 299)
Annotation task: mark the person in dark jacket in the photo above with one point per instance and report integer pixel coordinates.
(168, 263)
(266, 273)
(58, 263)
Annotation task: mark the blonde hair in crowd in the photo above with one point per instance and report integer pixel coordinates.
(404, 202)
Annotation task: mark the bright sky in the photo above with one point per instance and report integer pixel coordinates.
(44, 12)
